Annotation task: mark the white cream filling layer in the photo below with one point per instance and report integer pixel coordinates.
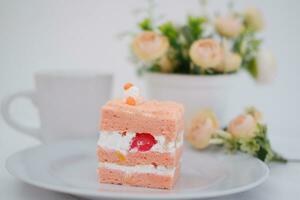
(116, 141)
(159, 170)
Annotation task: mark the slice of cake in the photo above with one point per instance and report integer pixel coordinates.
(140, 142)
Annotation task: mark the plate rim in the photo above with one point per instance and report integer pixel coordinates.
(9, 165)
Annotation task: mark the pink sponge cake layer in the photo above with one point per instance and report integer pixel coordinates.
(156, 117)
(140, 144)
(140, 158)
(138, 179)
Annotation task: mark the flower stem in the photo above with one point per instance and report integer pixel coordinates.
(278, 158)
(216, 141)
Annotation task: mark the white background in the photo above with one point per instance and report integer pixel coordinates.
(72, 34)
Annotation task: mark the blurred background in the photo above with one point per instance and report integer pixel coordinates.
(71, 34)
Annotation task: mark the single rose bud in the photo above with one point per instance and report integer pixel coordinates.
(229, 26)
(166, 65)
(206, 53)
(202, 128)
(254, 18)
(266, 66)
(230, 63)
(256, 114)
(149, 46)
(243, 127)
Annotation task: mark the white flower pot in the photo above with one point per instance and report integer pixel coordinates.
(195, 92)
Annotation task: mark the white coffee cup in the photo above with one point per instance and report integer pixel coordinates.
(68, 103)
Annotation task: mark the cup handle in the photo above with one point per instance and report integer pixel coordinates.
(5, 110)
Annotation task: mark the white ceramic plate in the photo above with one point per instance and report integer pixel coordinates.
(70, 167)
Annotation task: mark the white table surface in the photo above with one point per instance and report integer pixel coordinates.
(283, 183)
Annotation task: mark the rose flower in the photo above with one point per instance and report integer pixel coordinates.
(149, 46)
(231, 62)
(166, 64)
(254, 18)
(202, 128)
(266, 66)
(243, 127)
(206, 53)
(256, 114)
(229, 26)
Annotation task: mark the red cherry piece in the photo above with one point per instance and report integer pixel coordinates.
(142, 141)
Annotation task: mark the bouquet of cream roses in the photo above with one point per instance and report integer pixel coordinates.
(246, 133)
(205, 45)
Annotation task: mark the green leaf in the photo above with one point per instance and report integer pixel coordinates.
(252, 68)
(186, 32)
(278, 158)
(262, 154)
(193, 30)
(170, 31)
(140, 71)
(212, 72)
(154, 68)
(249, 146)
(232, 145)
(195, 26)
(195, 69)
(146, 25)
